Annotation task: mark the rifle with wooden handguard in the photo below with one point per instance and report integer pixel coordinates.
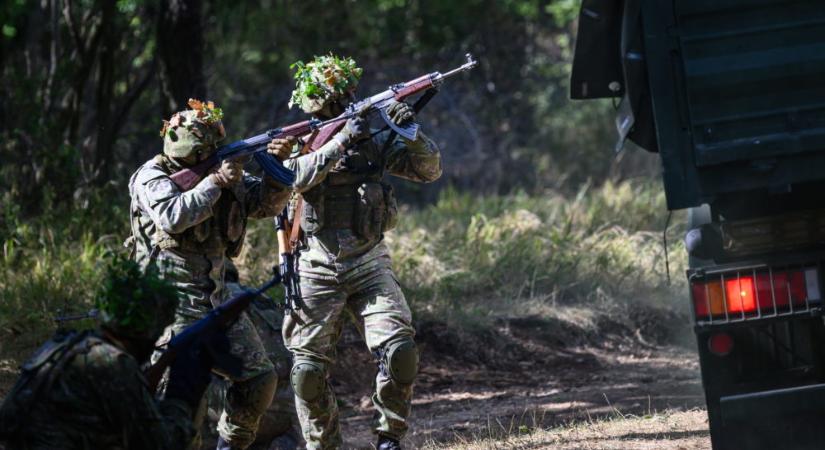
(188, 178)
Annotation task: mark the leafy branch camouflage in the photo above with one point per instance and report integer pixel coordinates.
(134, 303)
(207, 113)
(324, 78)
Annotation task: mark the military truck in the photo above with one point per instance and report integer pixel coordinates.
(731, 94)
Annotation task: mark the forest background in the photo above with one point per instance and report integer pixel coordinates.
(535, 215)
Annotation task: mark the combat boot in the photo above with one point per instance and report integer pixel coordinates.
(387, 443)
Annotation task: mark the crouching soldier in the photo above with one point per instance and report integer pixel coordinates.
(189, 235)
(85, 390)
(344, 209)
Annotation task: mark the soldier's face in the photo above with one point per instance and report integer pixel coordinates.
(334, 108)
(200, 154)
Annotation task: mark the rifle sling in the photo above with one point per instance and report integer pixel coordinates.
(295, 233)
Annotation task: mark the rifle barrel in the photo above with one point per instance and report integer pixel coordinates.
(471, 63)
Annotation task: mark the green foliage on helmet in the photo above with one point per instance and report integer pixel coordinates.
(133, 303)
(323, 79)
(194, 130)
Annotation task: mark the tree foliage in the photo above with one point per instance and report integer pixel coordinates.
(86, 83)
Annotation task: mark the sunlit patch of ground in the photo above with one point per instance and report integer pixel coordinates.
(667, 430)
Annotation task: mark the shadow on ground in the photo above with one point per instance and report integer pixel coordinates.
(523, 374)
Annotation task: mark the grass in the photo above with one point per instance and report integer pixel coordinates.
(466, 259)
(657, 430)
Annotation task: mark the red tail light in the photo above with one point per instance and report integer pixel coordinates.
(735, 295)
(739, 295)
(720, 344)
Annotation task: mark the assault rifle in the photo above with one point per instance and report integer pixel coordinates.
(427, 84)
(289, 236)
(218, 319)
(188, 178)
(288, 263)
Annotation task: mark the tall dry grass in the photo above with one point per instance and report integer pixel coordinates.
(463, 259)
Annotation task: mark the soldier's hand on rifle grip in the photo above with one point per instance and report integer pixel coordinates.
(400, 112)
(191, 372)
(281, 148)
(229, 173)
(356, 129)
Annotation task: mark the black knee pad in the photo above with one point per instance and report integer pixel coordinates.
(401, 360)
(309, 379)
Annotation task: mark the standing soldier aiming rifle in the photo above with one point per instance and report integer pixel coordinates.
(189, 234)
(344, 207)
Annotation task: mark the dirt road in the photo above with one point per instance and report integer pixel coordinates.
(529, 384)
(621, 395)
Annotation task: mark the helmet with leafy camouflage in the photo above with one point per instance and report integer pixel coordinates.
(322, 80)
(194, 130)
(133, 303)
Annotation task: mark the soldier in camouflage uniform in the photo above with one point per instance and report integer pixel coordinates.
(189, 236)
(345, 268)
(85, 390)
(279, 428)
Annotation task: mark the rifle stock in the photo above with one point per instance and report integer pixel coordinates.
(325, 134)
(188, 178)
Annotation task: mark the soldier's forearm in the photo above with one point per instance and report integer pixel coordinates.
(312, 168)
(418, 160)
(183, 210)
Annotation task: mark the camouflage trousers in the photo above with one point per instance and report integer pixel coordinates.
(278, 428)
(371, 294)
(200, 282)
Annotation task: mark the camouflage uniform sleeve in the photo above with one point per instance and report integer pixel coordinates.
(312, 168)
(418, 160)
(263, 198)
(170, 209)
(131, 408)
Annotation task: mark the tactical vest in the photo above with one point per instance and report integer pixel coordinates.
(224, 232)
(38, 376)
(352, 196)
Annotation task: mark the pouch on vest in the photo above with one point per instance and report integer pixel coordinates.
(312, 218)
(391, 213)
(234, 226)
(370, 211)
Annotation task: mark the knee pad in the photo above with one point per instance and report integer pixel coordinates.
(250, 398)
(401, 359)
(308, 379)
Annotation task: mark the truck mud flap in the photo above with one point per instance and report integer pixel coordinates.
(789, 418)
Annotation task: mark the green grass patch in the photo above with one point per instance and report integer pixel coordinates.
(465, 259)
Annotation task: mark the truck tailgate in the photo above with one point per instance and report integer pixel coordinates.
(738, 88)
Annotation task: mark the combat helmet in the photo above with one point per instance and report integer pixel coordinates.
(324, 79)
(198, 129)
(133, 303)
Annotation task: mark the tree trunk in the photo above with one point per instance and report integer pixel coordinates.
(180, 50)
